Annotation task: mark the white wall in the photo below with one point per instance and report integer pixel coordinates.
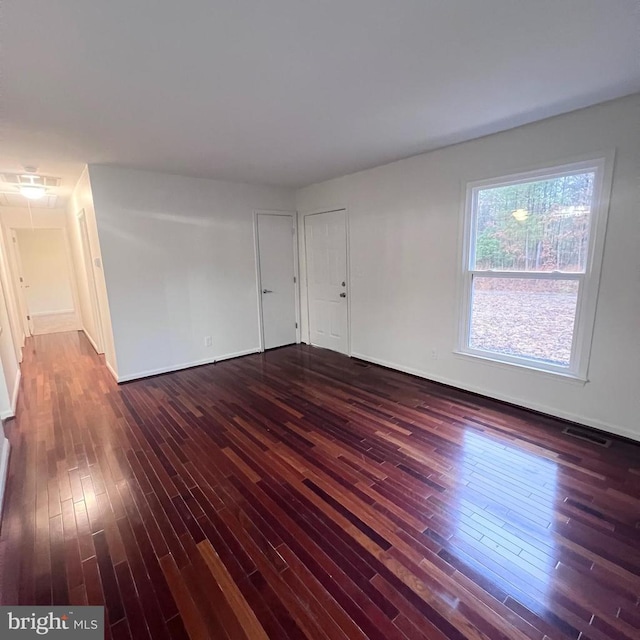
(10, 293)
(45, 270)
(404, 221)
(97, 326)
(179, 265)
(11, 335)
(10, 378)
(19, 218)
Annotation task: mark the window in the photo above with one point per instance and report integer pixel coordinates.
(532, 249)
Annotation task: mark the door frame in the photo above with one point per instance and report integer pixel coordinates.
(8, 283)
(94, 299)
(18, 266)
(18, 282)
(296, 268)
(315, 212)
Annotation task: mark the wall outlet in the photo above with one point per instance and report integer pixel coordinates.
(434, 354)
(208, 341)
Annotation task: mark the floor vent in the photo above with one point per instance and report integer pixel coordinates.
(589, 436)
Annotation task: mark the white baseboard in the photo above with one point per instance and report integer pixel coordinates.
(4, 470)
(237, 354)
(527, 404)
(55, 312)
(186, 365)
(11, 411)
(112, 371)
(20, 354)
(16, 391)
(91, 340)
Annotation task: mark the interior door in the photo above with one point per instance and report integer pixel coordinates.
(277, 279)
(326, 250)
(23, 285)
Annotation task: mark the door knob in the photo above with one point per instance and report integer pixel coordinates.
(267, 291)
(343, 295)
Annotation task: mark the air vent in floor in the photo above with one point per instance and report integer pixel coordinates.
(589, 436)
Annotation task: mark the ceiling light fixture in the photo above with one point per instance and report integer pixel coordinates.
(32, 192)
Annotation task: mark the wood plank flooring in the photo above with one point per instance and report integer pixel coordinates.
(301, 494)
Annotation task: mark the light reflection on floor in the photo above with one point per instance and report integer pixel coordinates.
(506, 497)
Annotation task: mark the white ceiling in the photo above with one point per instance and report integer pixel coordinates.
(292, 92)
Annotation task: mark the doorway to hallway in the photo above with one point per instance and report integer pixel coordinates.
(44, 281)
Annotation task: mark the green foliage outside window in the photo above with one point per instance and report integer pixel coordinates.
(535, 226)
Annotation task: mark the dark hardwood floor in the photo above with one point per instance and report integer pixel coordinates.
(300, 494)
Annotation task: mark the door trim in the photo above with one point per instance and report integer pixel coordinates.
(21, 295)
(88, 259)
(18, 281)
(296, 268)
(315, 212)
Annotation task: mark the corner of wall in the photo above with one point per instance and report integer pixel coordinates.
(16, 392)
(83, 200)
(5, 449)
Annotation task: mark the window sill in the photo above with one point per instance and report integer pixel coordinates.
(508, 366)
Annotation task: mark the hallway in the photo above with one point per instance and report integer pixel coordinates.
(303, 494)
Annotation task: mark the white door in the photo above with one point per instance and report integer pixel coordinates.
(276, 236)
(23, 287)
(326, 249)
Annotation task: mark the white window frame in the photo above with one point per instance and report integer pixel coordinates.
(588, 282)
